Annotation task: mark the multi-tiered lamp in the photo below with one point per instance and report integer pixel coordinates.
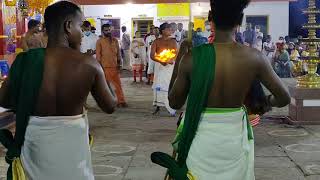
(312, 79)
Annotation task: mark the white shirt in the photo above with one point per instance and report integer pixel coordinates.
(269, 45)
(150, 39)
(88, 42)
(258, 41)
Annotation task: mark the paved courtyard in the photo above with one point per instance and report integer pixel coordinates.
(124, 141)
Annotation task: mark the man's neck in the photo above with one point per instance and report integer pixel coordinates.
(166, 37)
(224, 36)
(55, 42)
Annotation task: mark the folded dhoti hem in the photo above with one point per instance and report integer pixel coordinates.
(57, 148)
(223, 146)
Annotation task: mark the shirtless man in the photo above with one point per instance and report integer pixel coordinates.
(216, 139)
(55, 122)
(33, 38)
(163, 71)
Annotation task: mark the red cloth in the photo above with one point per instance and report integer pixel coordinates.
(211, 37)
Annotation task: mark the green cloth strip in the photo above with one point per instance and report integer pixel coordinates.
(25, 79)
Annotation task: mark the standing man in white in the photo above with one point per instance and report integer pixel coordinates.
(125, 48)
(89, 40)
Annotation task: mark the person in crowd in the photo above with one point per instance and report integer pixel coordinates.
(282, 62)
(163, 70)
(33, 38)
(197, 38)
(291, 47)
(181, 34)
(281, 40)
(174, 31)
(199, 31)
(138, 56)
(269, 47)
(125, 48)
(47, 88)
(239, 37)
(151, 64)
(93, 29)
(258, 38)
(149, 33)
(108, 55)
(249, 35)
(207, 32)
(89, 40)
(216, 140)
(287, 40)
(294, 55)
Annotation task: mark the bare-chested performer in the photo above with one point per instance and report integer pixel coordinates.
(47, 88)
(163, 71)
(216, 139)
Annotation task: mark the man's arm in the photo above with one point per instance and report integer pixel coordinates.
(153, 51)
(184, 49)
(280, 94)
(102, 91)
(24, 45)
(180, 89)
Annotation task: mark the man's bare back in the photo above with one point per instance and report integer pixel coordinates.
(237, 66)
(68, 78)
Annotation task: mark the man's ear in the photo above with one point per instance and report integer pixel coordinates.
(67, 26)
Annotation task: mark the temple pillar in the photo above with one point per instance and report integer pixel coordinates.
(2, 35)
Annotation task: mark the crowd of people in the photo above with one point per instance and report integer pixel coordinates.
(285, 53)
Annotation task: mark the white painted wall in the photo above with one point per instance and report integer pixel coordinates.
(126, 12)
(278, 13)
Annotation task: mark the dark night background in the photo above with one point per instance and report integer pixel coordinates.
(297, 19)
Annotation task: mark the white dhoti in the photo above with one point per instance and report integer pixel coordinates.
(57, 148)
(221, 149)
(162, 78)
(126, 60)
(151, 66)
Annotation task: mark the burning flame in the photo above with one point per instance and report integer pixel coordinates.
(166, 55)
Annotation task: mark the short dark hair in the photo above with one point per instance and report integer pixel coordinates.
(123, 28)
(105, 26)
(56, 14)
(33, 23)
(228, 13)
(164, 26)
(86, 24)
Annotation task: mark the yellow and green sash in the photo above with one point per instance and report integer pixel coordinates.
(203, 72)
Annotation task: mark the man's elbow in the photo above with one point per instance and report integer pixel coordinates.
(284, 101)
(174, 104)
(111, 107)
